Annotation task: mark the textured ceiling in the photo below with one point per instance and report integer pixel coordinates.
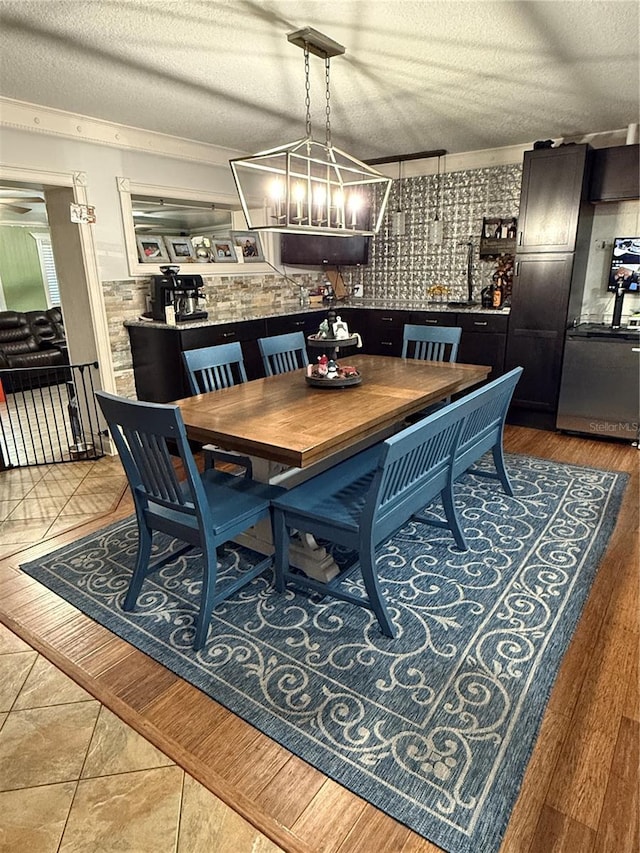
(416, 76)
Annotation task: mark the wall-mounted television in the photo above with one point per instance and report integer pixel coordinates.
(625, 265)
(315, 250)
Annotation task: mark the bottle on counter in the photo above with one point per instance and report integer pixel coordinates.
(497, 295)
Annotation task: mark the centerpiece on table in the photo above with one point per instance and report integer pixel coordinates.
(328, 372)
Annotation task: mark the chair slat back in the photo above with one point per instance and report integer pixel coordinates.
(213, 368)
(413, 468)
(484, 419)
(142, 432)
(283, 353)
(431, 343)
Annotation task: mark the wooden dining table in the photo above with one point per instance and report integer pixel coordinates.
(283, 419)
(293, 430)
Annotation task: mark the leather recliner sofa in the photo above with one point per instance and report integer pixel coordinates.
(33, 339)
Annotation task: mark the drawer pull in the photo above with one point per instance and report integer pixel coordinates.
(480, 323)
(387, 319)
(299, 323)
(635, 349)
(386, 343)
(228, 334)
(433, 322)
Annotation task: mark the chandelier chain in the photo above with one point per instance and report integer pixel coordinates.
(307, 99)
(327, 68)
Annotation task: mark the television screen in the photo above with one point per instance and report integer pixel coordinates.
(314, 250)
(625, 265)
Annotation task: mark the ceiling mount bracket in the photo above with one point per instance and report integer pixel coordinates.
(317, 43)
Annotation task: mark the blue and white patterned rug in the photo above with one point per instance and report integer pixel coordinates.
(435, 727)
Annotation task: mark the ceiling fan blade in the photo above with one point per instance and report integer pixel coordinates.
(24, 199)
(14, 208)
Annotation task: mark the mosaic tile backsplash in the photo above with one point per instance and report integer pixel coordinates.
(403, 268)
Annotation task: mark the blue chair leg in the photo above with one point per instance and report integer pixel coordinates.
(142, 563)
(207, 596)
(372, 585)
(281, 543)
(498, 461)
(452, 517)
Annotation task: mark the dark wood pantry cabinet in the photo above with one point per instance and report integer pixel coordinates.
(555, 227)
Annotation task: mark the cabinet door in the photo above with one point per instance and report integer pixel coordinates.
(383, 333)
(615, 173)
(157, 364)
(552, 187)
(433, 318)
(536, 328)
(306, 322)
(484, 340)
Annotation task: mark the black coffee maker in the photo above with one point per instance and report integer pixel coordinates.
(182, 292)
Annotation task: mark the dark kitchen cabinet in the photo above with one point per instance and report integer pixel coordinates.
(615, 174)
(554, 182)
(483, 341)
(306, 322)
(539, 305)
(156, 353)
(246, 333)
(555, 228)
(383, 330)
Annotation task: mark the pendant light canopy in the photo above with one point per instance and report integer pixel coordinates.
(313, 187)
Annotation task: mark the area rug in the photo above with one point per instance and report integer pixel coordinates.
(434, 727)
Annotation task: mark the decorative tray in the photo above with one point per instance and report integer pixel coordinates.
(338, 382)
(333, 343)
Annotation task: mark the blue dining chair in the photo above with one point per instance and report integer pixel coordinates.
(210, 369)
(203, 510)
(430, 343)
(283, 353)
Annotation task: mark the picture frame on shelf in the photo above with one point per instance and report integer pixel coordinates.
(151, 249)
(223, 251)
(248, 245)
(180, 250)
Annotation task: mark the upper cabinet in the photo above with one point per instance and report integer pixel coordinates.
(553, 184)
(615, 174)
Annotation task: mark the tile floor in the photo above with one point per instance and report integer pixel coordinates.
(73, 776)
(44, 500)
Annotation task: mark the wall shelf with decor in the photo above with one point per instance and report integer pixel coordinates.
(201, 232)
(498, 236)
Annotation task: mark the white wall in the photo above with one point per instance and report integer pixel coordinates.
(102, 165)
(613, 219)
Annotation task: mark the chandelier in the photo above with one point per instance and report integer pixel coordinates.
(313, 187)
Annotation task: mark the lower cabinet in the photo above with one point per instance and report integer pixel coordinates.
(382, 331)
(484, 340)
(156, 352)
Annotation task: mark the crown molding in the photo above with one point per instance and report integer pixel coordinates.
(47, 120)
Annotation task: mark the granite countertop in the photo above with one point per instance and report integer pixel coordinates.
(381, 304)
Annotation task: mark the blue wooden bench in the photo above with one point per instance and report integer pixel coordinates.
(362, 501)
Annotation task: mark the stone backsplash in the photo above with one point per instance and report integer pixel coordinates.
(228, 298)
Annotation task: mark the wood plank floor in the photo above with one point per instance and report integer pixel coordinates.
(580, 792)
